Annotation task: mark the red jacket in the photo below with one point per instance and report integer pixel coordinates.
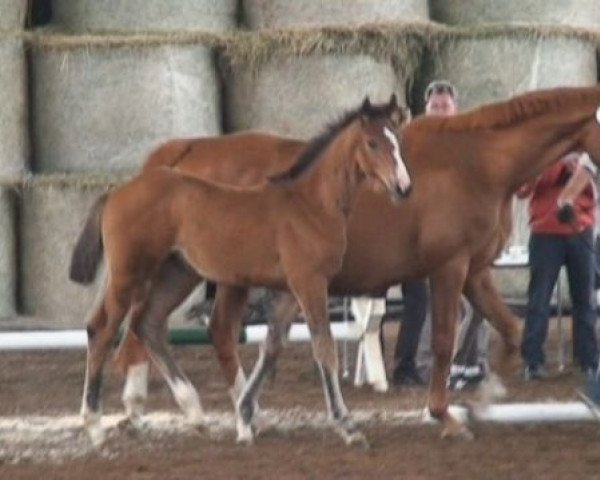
(543, 203)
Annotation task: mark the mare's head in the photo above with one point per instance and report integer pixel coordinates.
(379, 156)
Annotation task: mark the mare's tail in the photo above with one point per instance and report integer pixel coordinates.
(88, 249)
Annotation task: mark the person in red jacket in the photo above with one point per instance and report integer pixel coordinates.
(553, 243)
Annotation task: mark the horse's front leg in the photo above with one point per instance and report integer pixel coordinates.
(311, 293)
(446, 287)
(279, 322)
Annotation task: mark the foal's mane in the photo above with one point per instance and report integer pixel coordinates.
(319, 143)
(515, 110)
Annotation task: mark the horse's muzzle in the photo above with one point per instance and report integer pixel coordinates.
(399, 193)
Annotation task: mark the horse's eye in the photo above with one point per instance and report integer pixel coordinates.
(372, 144)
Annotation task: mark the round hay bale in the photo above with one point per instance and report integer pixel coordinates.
(12, 14)
(103, 108)
(52, 214)
(494, 68)
(259, 14)
(8, 252)
(298, 96)
(562, 12)
(117, 15)
(13, 113)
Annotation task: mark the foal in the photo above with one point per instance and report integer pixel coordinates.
(288, 234)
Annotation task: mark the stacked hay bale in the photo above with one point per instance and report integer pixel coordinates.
(142, 15)
(552, 12)
(100, 103)
(260, 14)
(14, 143)
(13, 14)
(295, 82)
(52, 212)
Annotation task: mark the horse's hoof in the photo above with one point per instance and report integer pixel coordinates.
(460, 432)
(491, 389)
(245, 433)
(244, 438)
(132, 424)
(357, 438)
(97, 435)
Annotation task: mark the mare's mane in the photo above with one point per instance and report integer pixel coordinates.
(318, 144)
(513, 111)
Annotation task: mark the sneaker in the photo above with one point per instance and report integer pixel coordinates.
(462, 376)
(407, 377)
(474, 375)
(534, 372)
(590, 373)
(591, 396)
(456, 380)
(592, 403)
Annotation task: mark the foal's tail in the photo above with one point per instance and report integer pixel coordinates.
(88, 249)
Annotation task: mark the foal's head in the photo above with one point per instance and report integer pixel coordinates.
(379, 154)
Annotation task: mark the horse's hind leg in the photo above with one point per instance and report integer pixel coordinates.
(279, 322)
(170, 287)
(151, 326)
(101, 330)
(312, 296)
(483, 295)
(225, 322)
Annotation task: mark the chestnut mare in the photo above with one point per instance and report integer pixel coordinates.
(289, 233)
(465, 170)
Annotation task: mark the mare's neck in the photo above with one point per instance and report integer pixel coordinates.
(534, 145)
(332, 183)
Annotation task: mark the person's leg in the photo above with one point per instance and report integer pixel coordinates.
(415, 309)
(546, 256)
(466, 350)
(580, 274)
(466, 367)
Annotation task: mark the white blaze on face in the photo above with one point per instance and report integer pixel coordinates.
(598, 114)
(401, 171)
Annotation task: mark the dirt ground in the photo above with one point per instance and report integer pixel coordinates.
(50, 383)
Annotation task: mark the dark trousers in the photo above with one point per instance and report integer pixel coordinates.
(547, 254)
(416, 298)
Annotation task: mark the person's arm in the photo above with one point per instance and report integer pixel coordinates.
(583, 174)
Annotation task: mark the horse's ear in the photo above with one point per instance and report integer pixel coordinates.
(399, 116)
(393, 101)
(366, 105)
(364, 110)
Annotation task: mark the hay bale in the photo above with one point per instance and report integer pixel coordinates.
(52, 215)
(8, 252)
(12, 14)
(493, 68)
(13, 112)
(117, 15)
(562, 12)
(298, 96)
(259, 14)
(103, 108)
